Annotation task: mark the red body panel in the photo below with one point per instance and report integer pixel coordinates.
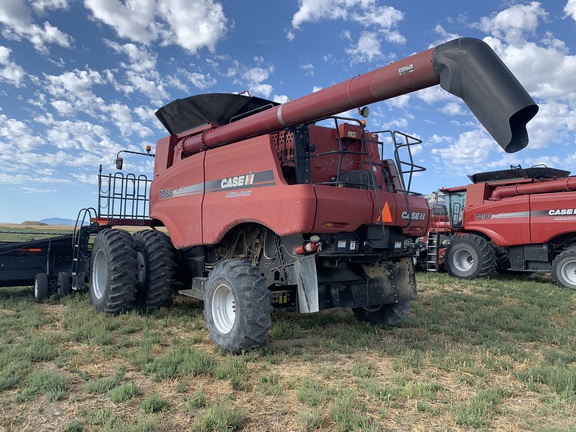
(545, 225)
(201, 197)
(507, 222)
(176, 196)
(271, 202)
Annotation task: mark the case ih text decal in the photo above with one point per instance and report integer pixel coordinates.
(244, 181)
(415, 216)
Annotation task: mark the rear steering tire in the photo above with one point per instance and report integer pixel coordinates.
(237, 306)
(386, 315)
(469, 257)
(155, 260)
(113, 273)
(564, 269)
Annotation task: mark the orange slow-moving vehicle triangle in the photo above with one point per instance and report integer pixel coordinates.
(385, 216)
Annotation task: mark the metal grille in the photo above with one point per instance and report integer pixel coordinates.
(123, 196)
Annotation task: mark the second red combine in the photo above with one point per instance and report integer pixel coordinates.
(517, 220)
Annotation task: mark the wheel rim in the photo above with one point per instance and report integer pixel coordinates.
(99, 274)
(569, 272)
(223, 308)
(463, 260)
(36, 289)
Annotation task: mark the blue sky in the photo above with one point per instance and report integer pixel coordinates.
(81, 80)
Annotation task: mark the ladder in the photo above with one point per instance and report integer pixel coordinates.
(80, 247)
(432, 251)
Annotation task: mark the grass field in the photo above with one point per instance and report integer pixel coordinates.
(493, 354)
(18, 232)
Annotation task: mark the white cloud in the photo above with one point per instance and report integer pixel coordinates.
(382, 20)
(552, 125)
(18, 135)
(41, 6)
(366, 50)
(74, 84)
(454, 108)
(131, 19)
(10, 72)
(444, 36)
(121, 116)
(195, 24)
(140, 58)
(150, 86)
(434, 94)
(399, 102)
(202, 81)
(364, 12)
(252, 79)
(18, 23)
(280, 98)
(308, 69)
(546, 71)
(192, 25)
(468, 153)
(514, 23)
(570, 9)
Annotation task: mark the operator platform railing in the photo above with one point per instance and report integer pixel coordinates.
(123, 196)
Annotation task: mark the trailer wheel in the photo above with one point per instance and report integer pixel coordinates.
(469, 257)
(41, 287)
(237, 306)
(113, 273)
(63, 284)
(564, 269)
(155, 259)
(386, 315)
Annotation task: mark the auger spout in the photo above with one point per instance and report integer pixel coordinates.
(466, 67)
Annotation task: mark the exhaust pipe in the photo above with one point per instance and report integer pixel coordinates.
(467, 68)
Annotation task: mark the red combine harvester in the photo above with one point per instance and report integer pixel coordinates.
(516, 220)
(269, 206)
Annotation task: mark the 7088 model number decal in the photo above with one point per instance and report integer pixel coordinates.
(165, 193)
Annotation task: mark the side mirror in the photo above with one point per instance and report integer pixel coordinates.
(119, 163)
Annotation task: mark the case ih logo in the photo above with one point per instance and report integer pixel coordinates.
(415, 216)
(243, 180)
(562, 212)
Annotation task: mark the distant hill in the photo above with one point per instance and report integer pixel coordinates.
(58, 221)
(33, 223)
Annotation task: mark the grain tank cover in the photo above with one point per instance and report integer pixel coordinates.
(219, 108)
(535, 173)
